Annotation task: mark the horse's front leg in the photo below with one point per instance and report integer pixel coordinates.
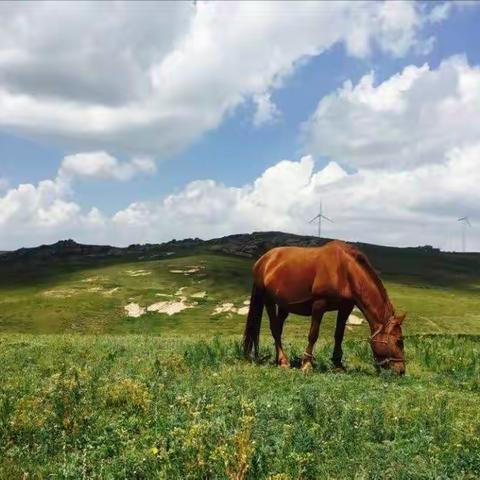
(343, 312)
(318, 309)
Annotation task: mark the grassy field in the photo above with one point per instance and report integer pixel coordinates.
(157, 407)
(87, 392)
(90, 298)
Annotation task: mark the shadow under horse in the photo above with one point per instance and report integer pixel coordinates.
(311, 281)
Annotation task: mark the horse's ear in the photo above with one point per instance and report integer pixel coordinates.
(394, 321)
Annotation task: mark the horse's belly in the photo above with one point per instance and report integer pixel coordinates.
(305, 308)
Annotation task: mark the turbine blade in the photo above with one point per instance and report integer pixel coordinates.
(326, 218)
(314, 218)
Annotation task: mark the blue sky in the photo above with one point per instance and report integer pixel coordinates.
(197, 121)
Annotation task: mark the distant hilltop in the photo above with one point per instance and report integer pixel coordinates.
(412, 264)
(249, 245)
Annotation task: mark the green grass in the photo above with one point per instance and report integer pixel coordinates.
(110, 396)
(64, 300)
(157, 407)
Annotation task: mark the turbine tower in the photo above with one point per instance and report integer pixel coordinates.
(465, 223)
(319, 217)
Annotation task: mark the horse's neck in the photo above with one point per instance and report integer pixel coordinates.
(374, 304)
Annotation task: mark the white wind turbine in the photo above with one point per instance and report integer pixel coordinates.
(465, 223)
(320, 216)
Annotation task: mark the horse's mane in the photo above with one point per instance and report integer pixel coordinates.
(363, 261)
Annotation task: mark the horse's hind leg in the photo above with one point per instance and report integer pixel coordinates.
(343, 312)
(318, 310)
(282, 358)
(276, 327)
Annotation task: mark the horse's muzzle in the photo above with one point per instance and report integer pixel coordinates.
(398, 367)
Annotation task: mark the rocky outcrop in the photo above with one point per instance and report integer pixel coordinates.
(255, 244)
(65, 248)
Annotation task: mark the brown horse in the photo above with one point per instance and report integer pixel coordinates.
(312, 281)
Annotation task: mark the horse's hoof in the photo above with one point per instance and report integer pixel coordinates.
(339, 369)
(283, 363)
(307, 367)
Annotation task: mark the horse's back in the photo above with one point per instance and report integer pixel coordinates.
(294, 274)
(300, 257)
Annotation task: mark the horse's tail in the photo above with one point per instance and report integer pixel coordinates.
(254, 320)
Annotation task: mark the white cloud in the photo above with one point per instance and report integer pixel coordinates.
(440, 12)
(412, 118)
(102, 165)
(393, 27)
(414, 207)
(29, 206)
(417, 207)
(33, 214)
(151, 77)
(266, 111)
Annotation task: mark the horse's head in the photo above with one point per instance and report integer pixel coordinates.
(387, 345)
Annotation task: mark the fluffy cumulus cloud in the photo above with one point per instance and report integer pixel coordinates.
(28, 207)
(412, 139)
(265, 110)
(32, 214)
(151, 77)
(100, 164)
(369, 205)
(412, 118)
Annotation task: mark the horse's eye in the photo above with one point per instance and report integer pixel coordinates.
(400, 343)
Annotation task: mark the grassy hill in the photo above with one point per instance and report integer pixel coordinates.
(158, 396)
(71, 288)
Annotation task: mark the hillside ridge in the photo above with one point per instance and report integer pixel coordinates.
(248, 245)
(414, 262)
(244, 244)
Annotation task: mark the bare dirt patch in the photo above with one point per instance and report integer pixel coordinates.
(224, 308)
(170, 307)
(134, 310)
(199, 295)
(355, 320)
(60, 293)
(138, 273)
(188, 269)
(90, 279)
(110, 292)
(229, 308)
(94, 289)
